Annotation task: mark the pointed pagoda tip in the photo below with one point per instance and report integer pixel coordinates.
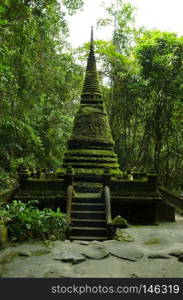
(91, 87)
(91, 39)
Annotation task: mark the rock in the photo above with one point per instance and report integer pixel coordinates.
(107, 245)
(66, 256)
(176, 253)
(114, 242)
(134, 275)
(67, 241)
(54, 273)
(94, 242)
(51, 274)
(84, 243)
(49, 244)
(78, 259)
(1, 270)
(129, 239)
(95, 252)
(123, 236)
(7, 257)
(180, 258)
(158, 256)
(36, 248)
(119, 222)
(41, 252)
(24, 254)
(79, 271)
(52, 237)
(153, 241)
(3, 235)
(127, 253)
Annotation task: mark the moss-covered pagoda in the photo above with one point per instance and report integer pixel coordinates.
(92, 189)
(90, 148)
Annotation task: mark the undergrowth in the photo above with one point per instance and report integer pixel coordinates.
(24, 221)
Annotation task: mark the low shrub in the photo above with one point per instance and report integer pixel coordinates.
(7, 180)
(26, 222)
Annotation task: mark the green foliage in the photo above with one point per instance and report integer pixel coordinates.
(144, 95)
(121, 14)
(161, 60)
(39, 82)
(26, 222)
(72, 5)
(7, 180)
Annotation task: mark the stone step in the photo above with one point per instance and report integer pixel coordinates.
(98, 215)
(88, 198)
(88, 195)
(89, 231)
(87, 206)
(87, 189)
(88, 212)
(87, 186)
(88, 238)
(88, 222)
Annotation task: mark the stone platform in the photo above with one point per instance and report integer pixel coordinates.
(143, 251)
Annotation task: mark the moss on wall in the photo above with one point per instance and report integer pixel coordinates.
(90, 159)
(90, 152)
(91, 124)
(3, 235)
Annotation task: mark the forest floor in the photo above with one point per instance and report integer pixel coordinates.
(143, 251)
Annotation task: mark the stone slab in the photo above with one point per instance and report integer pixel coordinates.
(72, 257)
(127, 252)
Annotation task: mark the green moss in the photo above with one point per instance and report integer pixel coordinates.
(97, 171)
(152, 241)
(8, 257)
(120, 222)
(123, 236)
(3, 235)
(41, 252)
(1, 270)
(94, 165)
(179, 210)
(59, 170)
(91, 152)
(91, 123)
(89, 186)
(89, 159)
(5, 195)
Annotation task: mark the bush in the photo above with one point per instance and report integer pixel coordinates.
(26, 222)
(7, 180)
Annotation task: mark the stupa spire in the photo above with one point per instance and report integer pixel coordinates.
(91, 39)
(91, 89)
(90, 147)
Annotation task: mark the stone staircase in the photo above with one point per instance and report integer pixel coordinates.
(88, 213)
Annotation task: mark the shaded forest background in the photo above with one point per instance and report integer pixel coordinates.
(41, 76)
